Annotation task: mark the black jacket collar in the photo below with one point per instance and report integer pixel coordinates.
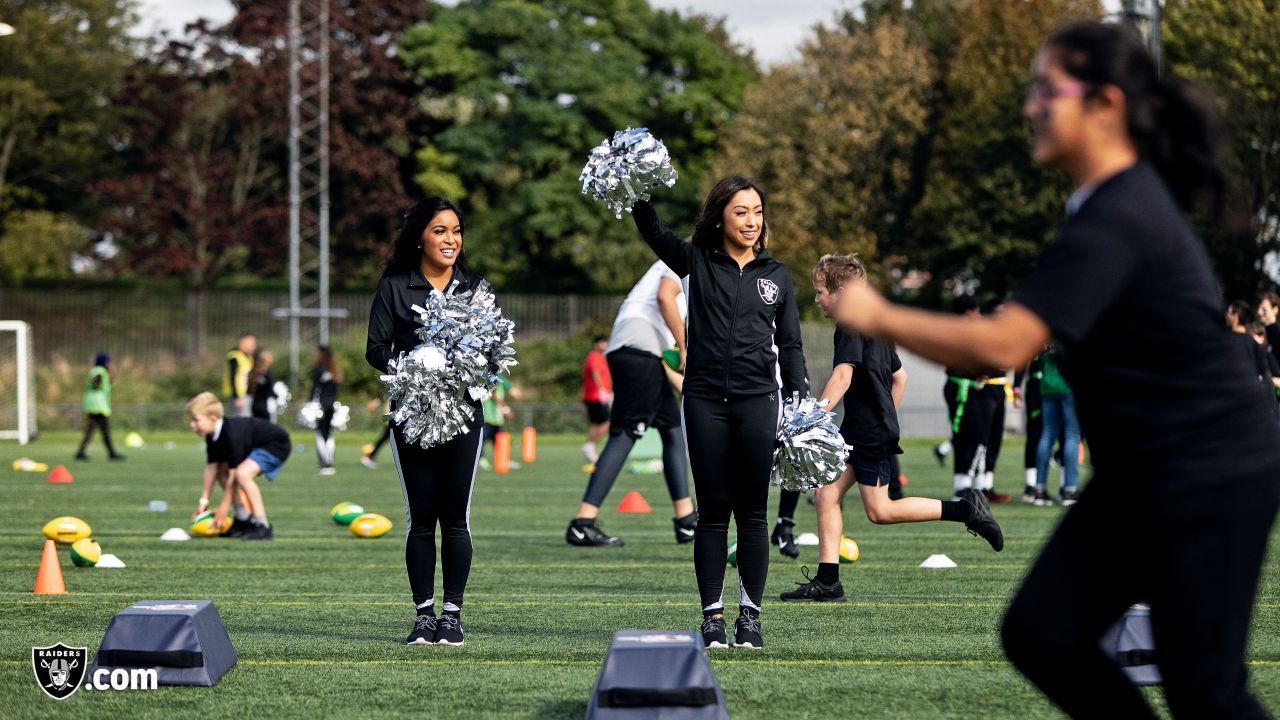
(460, 279)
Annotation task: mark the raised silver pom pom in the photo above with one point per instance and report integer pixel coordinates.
(311, 413)
(622, 170)
(811, 452)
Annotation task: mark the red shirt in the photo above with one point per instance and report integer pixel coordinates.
(595, 363)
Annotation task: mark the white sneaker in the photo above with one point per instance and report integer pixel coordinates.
(368, 462)
(328, 470)
(589, 451)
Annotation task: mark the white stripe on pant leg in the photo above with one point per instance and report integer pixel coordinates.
(404, 489)
(743, 598)
(320, 448)
(475, 467)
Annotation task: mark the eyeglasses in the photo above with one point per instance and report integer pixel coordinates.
(1042, 90)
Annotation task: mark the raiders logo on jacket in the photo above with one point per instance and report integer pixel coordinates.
(743, 327)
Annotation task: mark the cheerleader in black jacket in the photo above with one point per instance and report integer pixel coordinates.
(437, 482)
(744, 358)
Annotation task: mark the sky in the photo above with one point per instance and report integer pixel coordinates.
(773, 28)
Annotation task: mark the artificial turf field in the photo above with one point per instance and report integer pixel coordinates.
(318, 617)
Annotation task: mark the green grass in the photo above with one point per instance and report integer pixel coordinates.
(318, 617)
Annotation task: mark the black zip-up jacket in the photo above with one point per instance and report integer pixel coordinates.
(392, 321)
(743, 337)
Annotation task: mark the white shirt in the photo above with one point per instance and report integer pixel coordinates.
(639, 323)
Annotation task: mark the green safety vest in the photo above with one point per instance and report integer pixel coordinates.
(97, 401)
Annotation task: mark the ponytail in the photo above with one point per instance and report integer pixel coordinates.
(1172, 125)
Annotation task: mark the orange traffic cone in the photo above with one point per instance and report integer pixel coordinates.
(634, 502)
(502, 453)
(49, 576)
(529, 444)
(60, 474)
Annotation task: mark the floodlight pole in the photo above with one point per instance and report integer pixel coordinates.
(1145, 16)
(308, 178)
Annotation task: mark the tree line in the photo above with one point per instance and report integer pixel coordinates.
(896, 133)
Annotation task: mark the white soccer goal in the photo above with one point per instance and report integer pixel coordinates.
(17, 382)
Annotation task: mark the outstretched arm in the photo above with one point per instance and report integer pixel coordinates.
(669, 248)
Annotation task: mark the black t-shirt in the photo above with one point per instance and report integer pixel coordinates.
(264, 391)
(242, 435)
(1162, 389)
(1273, 340)
(870, 422)
(323, 387)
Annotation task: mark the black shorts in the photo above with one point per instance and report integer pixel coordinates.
(642, 396)
(871, 470)
(597, 412)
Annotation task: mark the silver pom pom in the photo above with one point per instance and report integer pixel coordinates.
(312, 413)
(281, 393)
(811, 452)
(309, 415)
(621, 171)
(466, 344)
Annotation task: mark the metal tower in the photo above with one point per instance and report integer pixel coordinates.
(308, 179)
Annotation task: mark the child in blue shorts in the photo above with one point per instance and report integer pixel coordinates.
(238, 449)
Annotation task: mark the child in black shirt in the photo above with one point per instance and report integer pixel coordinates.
(868, 375)
(238, 449)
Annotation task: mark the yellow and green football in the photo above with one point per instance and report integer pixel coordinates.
(848, 550)
(85, 552)
(203, 525)
(66, 529)
(344, 512)
(370, 525)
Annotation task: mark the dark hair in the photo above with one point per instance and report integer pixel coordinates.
(329, 362)
(598, 339)
(1256, 328)
(1270, 297)
(1171, 124)
(707, 232)
(964, 304)
(1242, 311)
(406, 256)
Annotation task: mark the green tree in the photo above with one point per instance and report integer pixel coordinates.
(518, 92)
(987, 209)
(1229, 47)
(832, 138)
(57, 75)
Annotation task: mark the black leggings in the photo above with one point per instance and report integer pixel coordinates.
(99, 421)
(731, 454)
(382, 439)
(1193, 554)
(437, 485)
(969, 440)
(674, 466)
(995, 398)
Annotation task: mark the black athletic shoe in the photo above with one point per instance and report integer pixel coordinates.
(82, 456)
(940, 456)
(784, 538)
(981, 522)
(713, 632)
(1070, 497)
(814, 591)
(746, 632)
(259, 532)
(449, 630)
(588, 535)
(238, 528)
(117, 456)
(685, 528)
(1043, 498)
(1029, 494)
(424, 631)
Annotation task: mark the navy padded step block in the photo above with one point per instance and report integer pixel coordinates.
(656, 675)
(184, 640)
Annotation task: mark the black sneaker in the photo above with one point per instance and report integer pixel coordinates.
(814, 591)
(117, 456)
(981, 522)
(784, 538)
(713, 632)
(939, 455)
(424, 630)
(1070, 497)
(1029, 494)
(685, 528)
(449, 630)
(746, 632)
(1043, 498)
(259, 532)
(238, 528)
(588, 535)
(81, 456)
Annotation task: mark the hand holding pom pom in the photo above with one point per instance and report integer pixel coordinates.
(811, 453)
(622, 170)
